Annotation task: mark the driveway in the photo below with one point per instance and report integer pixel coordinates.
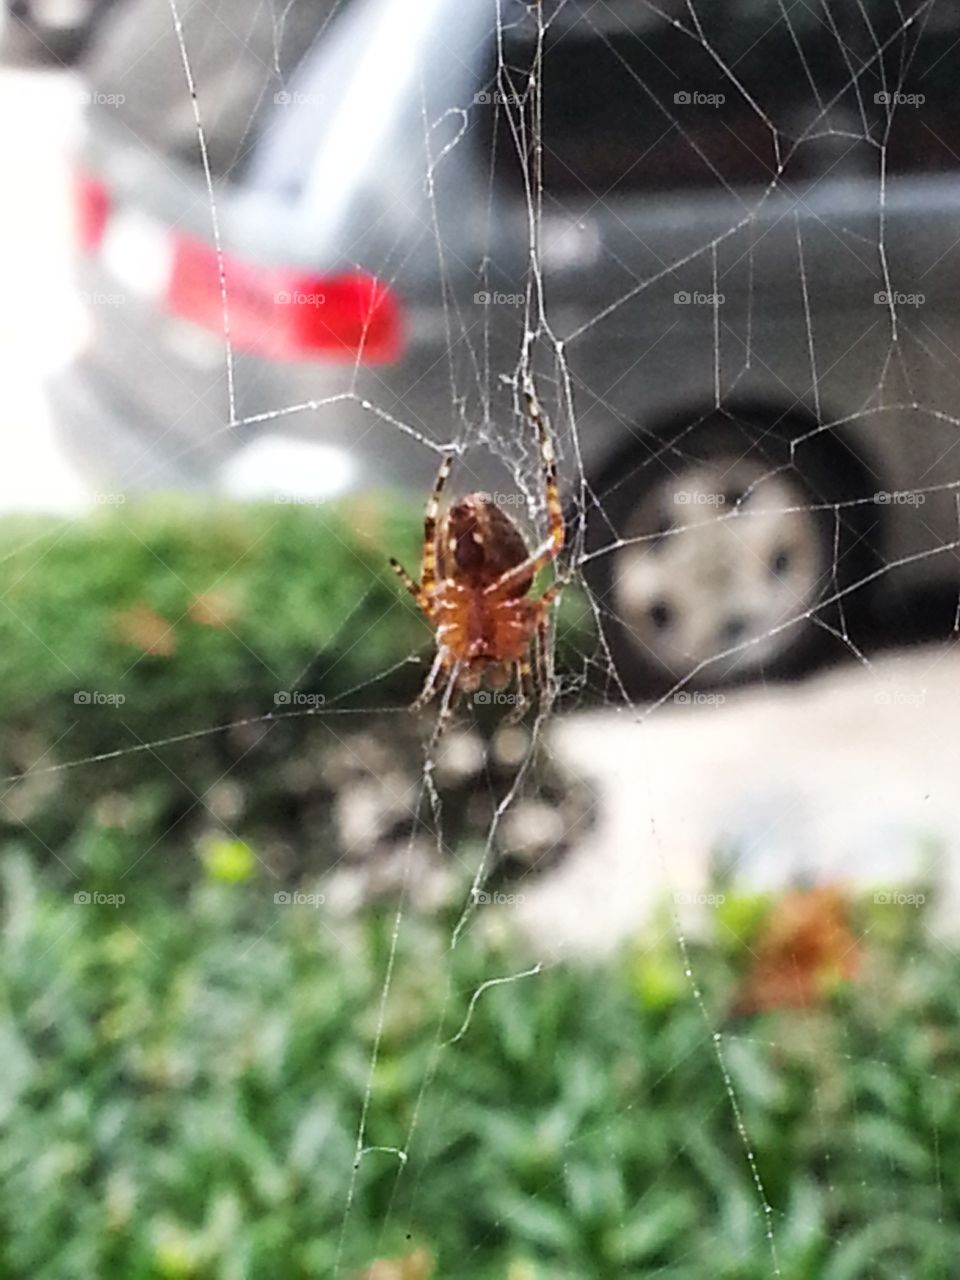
(849, 778)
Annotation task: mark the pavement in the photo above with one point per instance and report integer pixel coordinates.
(848, 778)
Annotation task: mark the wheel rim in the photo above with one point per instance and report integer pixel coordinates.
(728, 552)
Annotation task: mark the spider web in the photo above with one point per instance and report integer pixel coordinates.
(829, 171)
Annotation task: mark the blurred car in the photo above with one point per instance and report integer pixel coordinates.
(321, 260)
(50, 30)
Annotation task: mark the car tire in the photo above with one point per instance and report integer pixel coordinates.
(717, 553)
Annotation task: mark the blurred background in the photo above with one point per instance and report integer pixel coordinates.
(652, 973)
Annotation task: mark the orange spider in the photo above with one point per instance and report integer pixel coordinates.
(474, 578)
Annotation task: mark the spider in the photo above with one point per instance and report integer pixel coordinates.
(475, 575)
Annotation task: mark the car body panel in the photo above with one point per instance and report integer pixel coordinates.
(661, 302)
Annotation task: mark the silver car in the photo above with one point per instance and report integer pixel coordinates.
(722, 249)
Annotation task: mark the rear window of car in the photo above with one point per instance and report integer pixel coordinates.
(641, 98)
(242, 55)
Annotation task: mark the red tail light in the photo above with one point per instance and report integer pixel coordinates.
(271, 311)
(282, 314)
(91, 210)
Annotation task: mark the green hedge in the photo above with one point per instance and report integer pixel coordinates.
(183, 1083)
(198, 619)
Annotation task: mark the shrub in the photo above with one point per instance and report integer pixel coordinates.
(209, 657)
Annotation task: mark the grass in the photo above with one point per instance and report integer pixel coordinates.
(184, 1078)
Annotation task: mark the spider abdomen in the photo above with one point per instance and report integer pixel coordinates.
(479, 542)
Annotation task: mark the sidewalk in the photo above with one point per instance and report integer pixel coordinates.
(849, 779)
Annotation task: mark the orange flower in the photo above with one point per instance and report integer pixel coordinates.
(150, 632)
(415, 1266)
(806, 947)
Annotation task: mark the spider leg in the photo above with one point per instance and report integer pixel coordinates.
(532, 565)
(544, 672)
(548, 460)
(428, 569)
(551, 594)
(554, 543)
(413, 587)
(544, 653)
(450, 699)
(430, 687)
(451, 696)
(524, 676)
